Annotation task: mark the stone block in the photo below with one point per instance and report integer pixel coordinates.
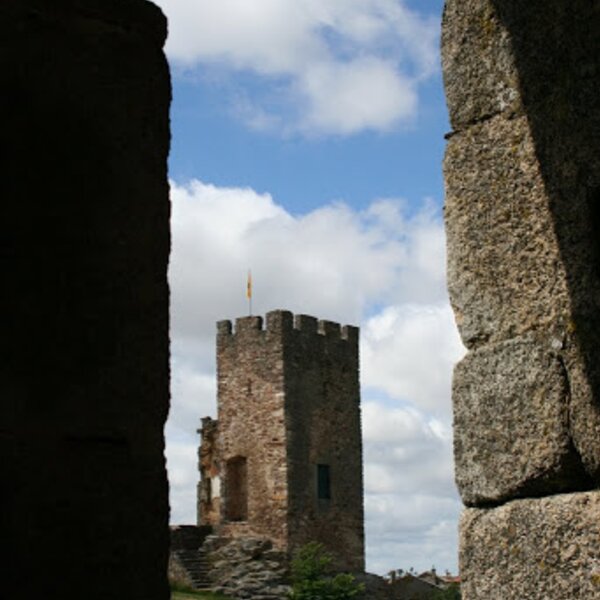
(505, 272)
(511, 424)
(532, 549)
(480, 74)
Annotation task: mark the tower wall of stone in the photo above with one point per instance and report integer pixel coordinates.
(288, 401)
(250, 390)
(522, 172)
(324, 428)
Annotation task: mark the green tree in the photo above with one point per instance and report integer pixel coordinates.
(311, 579)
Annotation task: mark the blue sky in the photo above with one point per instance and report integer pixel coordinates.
(210, 143)
(307, 144)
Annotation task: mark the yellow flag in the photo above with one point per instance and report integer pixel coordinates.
(249, 286)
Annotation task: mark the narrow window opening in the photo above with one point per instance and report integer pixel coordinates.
(208, 490)
(237, 489)
(323, 482)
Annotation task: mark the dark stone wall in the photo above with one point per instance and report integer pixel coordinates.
(324, 428)
(84, 93)
(556, 48)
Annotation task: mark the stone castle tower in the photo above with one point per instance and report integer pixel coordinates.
(284, 459)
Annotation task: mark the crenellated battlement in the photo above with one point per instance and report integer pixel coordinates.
(283, 321)
(288, 444)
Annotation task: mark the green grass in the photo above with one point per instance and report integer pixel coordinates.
(196, 596)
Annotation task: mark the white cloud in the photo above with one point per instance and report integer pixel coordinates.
(366, 93)
(411, 504)
(406, 452)
(343, 65)
(194, 390)
(408, 351)
(182, 459)
(332, 261)
(382, 268)
(413, 531)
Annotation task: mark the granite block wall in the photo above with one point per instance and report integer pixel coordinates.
(522, 204)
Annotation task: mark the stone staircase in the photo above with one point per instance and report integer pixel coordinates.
(187, 550)
(197, 567)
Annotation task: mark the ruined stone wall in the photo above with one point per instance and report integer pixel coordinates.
(522, 172)
(84, 96)
(208, 498)
(250, 390)
(323, 428)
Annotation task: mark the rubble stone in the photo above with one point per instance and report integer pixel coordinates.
(248, 568)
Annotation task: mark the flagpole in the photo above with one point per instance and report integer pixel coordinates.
(249, 292)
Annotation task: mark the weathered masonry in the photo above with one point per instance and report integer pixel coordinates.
(522, 171)
(284, 460)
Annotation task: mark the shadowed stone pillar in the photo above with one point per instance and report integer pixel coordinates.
(522, 171)
(85, 241)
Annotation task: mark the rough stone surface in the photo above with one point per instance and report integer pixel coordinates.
(522, 172)
(480, 74)
(557, 52)
(522, 185)
(323, 427)
(511, 424)
(84, 97)
(505, 275)
(208, 497)
(248, 568)
(533, 549)
(250, 381)
(251, 568)
(288, 401)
